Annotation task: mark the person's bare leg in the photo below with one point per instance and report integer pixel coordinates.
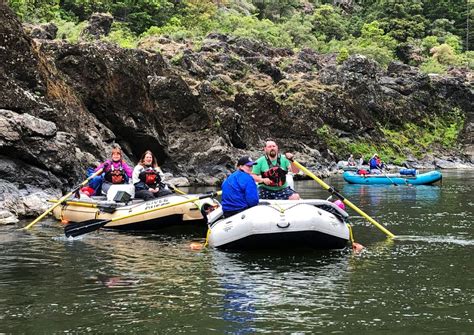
(294, 196)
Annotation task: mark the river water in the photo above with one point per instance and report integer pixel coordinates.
(420, 282)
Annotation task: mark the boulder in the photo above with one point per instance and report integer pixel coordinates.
(99, 25)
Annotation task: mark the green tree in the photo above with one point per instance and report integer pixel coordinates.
(328, 23)
(432, 66)
(276, 10)
(35, 11)
(404, 20)
(374, 43)
(198, 14)
(457, 12)
(441, 27)
(299, 27)
(138, 15)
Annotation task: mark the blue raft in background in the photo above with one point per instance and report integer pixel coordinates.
(393, 178)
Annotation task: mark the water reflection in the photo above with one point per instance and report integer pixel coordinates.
(376, 194)
(297, 288)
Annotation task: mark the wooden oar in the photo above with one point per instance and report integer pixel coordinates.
(80, 228)
(333, 191)
(61, 200)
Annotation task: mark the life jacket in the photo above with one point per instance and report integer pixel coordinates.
(115, 175)
(379, 162)
(373, 163)
(275, 173)
(150, 177)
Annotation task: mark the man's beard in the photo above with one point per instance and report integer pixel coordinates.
(272, 153)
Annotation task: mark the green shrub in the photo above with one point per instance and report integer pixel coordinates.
(432, 66)
(122, 36)
(177, 58)
(444, 54)
(343, 55)
(328, 23)
(172, 27)
(418, 139)
(251, 27)
(69, 31)
(32, 11)
(467, 60)
(299, 28)
(428, 43)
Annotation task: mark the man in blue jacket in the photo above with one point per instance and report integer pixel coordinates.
(375, 165)
(239, 190)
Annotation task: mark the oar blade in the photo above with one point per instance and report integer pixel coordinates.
(81, 228)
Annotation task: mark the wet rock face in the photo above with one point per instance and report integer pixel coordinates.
(130, 93)
(24, 189)
(45, 31)
(21, 84)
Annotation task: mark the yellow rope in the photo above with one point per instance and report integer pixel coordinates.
(351, 236)
(280, 208)
(207, 237)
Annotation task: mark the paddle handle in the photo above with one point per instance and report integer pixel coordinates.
(344, 200)
(60, 201)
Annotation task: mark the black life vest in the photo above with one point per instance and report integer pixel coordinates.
(150, 177)
(115, 175)
(275, 173)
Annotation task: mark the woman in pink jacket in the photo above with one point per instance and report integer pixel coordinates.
(116, 171)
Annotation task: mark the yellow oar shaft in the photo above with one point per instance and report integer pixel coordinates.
(177, 190)
(163, 207)
(368, 218)
(344, 200)
(49, 210)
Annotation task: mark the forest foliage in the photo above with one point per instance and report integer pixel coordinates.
(431, 34)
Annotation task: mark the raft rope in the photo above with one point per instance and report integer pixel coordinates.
(207, 237)
(351, 236)
(281, 209)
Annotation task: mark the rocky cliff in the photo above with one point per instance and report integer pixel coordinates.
(197, 108)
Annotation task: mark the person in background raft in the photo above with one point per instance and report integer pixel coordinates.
(351, 161)
(239, 190)
(375, 165)
(116, 171)
(270, 172)
(147, 178)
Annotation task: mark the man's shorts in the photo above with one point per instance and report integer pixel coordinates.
(283, 194)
